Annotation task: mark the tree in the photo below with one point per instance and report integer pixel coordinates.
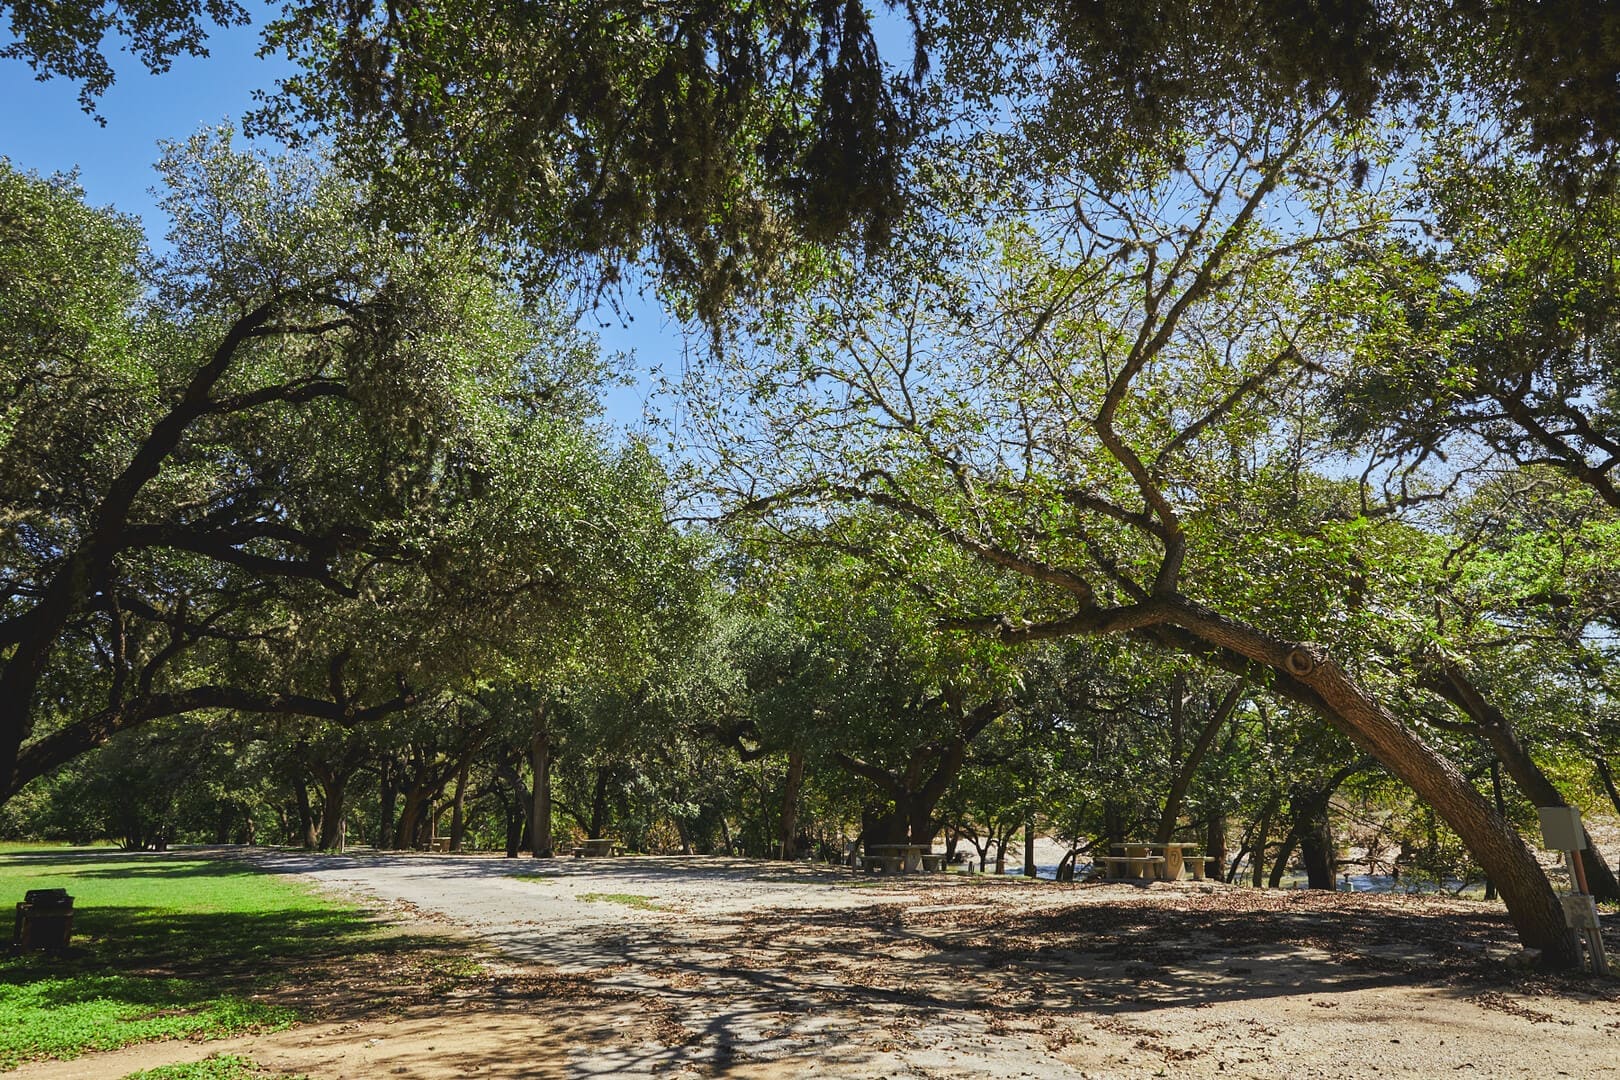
(1093, 407)
(1498, 327)
(300, 468)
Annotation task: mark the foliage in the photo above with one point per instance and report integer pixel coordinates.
(709, 138)
(310, 470)
(68, 40)
(213, 1067)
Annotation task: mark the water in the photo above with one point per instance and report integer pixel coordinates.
(1373, 883)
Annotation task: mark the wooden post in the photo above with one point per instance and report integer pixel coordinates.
(1561, 831)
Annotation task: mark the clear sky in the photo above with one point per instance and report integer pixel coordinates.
(42, 128)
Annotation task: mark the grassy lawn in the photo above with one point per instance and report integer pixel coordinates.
(164, 946)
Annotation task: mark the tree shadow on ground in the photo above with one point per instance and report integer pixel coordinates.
(897, 967)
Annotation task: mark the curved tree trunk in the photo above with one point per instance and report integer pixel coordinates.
(1493, 725)
(1306, 676)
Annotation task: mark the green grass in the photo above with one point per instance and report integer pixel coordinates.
(164, 946)
(218, 1067)
(630, 900)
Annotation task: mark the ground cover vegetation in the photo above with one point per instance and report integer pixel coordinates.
(162, 949)
(1194, 421)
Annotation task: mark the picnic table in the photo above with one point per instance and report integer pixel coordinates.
(597, 846)
(1135, 863)
(902, 858)
(1139, 861)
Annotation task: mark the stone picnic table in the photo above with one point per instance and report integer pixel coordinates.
(903, 859)
(1138, 861)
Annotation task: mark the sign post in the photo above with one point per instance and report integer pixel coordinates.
(1561, 831)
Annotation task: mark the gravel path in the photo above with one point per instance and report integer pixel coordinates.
(742, 969)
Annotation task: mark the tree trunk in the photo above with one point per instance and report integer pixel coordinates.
(1607, 775)
(388, 797)
(308, 836)
(540, 761)
(458, 810)
(334, 793)
(1501, 808)
(1541, 791)
(412, 818)
(1257, 857)
(1184, 774)
(1215, 844)
(1316, 849)
(1498, 730)
(514, 826)
(1313, 679)
(1113, 824)
(1285, 852)
(1310, 829)
(790, 803)
(1029, 847)
(599, 804)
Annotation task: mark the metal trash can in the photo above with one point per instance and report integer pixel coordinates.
(44, 920)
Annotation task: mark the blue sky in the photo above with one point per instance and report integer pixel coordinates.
(43, 129)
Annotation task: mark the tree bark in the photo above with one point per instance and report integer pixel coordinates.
(599, 805)
(1029, 847)
(1498, 730)
(1257, 856)
(1501, 808)
(389, 796)
(1184, 774)
(1306, 675)
(308, 836)
(1215, 844)
(412, 817)
(1607, 776)
(540, 761)
(334, 793)
(458, 817)
(790, 804)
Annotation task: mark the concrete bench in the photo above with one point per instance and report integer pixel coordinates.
(1198, 864)
(1132, 866)
(933, 864)
(887, 864)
